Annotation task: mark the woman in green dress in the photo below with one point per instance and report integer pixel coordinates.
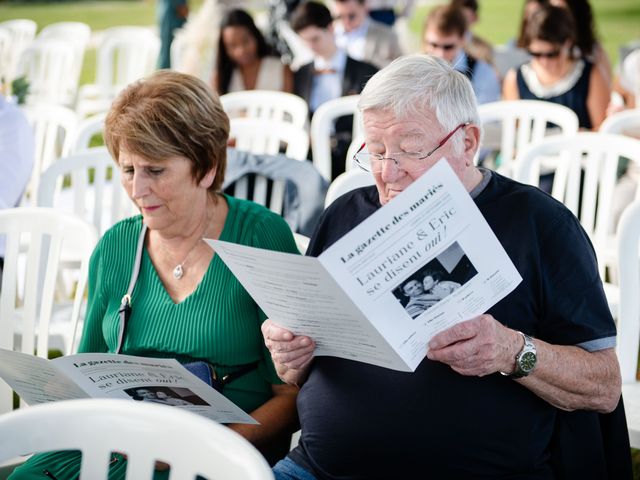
(168, 135)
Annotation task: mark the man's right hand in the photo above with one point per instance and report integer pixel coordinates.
(292, 355)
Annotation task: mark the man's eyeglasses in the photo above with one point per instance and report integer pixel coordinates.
(407, 161)
(442, 46)
(551, 54)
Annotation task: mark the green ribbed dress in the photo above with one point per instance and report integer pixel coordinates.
(218, 322)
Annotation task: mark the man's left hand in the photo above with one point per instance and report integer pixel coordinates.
(480, 346)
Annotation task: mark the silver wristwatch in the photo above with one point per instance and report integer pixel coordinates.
(525, 359)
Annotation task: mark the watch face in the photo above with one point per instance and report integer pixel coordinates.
(527, 361)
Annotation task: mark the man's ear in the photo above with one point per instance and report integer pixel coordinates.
(207, 180)
(471, 142)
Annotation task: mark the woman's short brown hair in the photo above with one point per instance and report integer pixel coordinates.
(171, 114)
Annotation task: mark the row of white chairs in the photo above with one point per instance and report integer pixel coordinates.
(52, 61)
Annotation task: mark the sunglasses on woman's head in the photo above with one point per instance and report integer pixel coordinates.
(551, 54)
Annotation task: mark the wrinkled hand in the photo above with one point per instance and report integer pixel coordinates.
(292, 355)
(480, 346)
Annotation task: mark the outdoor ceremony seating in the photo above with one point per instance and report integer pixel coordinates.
(270, 137)
(124, 54)
(267, 105)
(291, 188)
(87, 184)
(584, 170)
(521, 123)
(347, 181)
(145, 432)
(50, 66)
(22, 33)
(322, 126)
(54, 128)
(77, 34)
(86, 130)
(629, 316)
(35, 239)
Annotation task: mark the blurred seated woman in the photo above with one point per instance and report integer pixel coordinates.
(244, 59)
(586, 36)
(553, 74)
(168, 135)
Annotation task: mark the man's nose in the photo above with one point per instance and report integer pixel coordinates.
(390, 170)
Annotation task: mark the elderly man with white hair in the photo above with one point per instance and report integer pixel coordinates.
(491, 397)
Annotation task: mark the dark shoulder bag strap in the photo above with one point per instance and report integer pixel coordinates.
(125, 303)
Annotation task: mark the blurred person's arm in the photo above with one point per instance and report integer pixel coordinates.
(597, 98)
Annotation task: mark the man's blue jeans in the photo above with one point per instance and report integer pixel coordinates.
(287, 469)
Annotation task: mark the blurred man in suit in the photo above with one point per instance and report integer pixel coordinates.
(363, 37)
(331, 74)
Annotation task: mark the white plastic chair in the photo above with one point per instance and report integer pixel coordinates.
(347, 181)
(266, 104)
(523, 122)
(35, 238)
(6, 52)
(125, 54)
(264, 136)
(78, 35)
(50, 66)
(322, 126)
(86, 130)
(622, 122)
(92, 189)
(629, 316)
(584, 168)
(54, 128)
(23, 32)
(191, 444)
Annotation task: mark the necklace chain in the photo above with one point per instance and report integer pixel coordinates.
(178, 271)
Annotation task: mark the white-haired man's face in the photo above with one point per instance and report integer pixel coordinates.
(388, 135)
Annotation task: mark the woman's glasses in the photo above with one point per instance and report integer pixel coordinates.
(551, 54)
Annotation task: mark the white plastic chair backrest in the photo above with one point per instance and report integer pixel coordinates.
(50, 68)
(54, 128)
(624, 122)
(322, 124)
(524, 122)
(264, 136)
(35, 238)
(145, 432)
(126, 54)
(347, 181)
(93, 190)
(87, 129)
(6, 53)
(78, 34)
(266, 104)
(23, 32)
(597, 154)
(272, 198)
(629, 284)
